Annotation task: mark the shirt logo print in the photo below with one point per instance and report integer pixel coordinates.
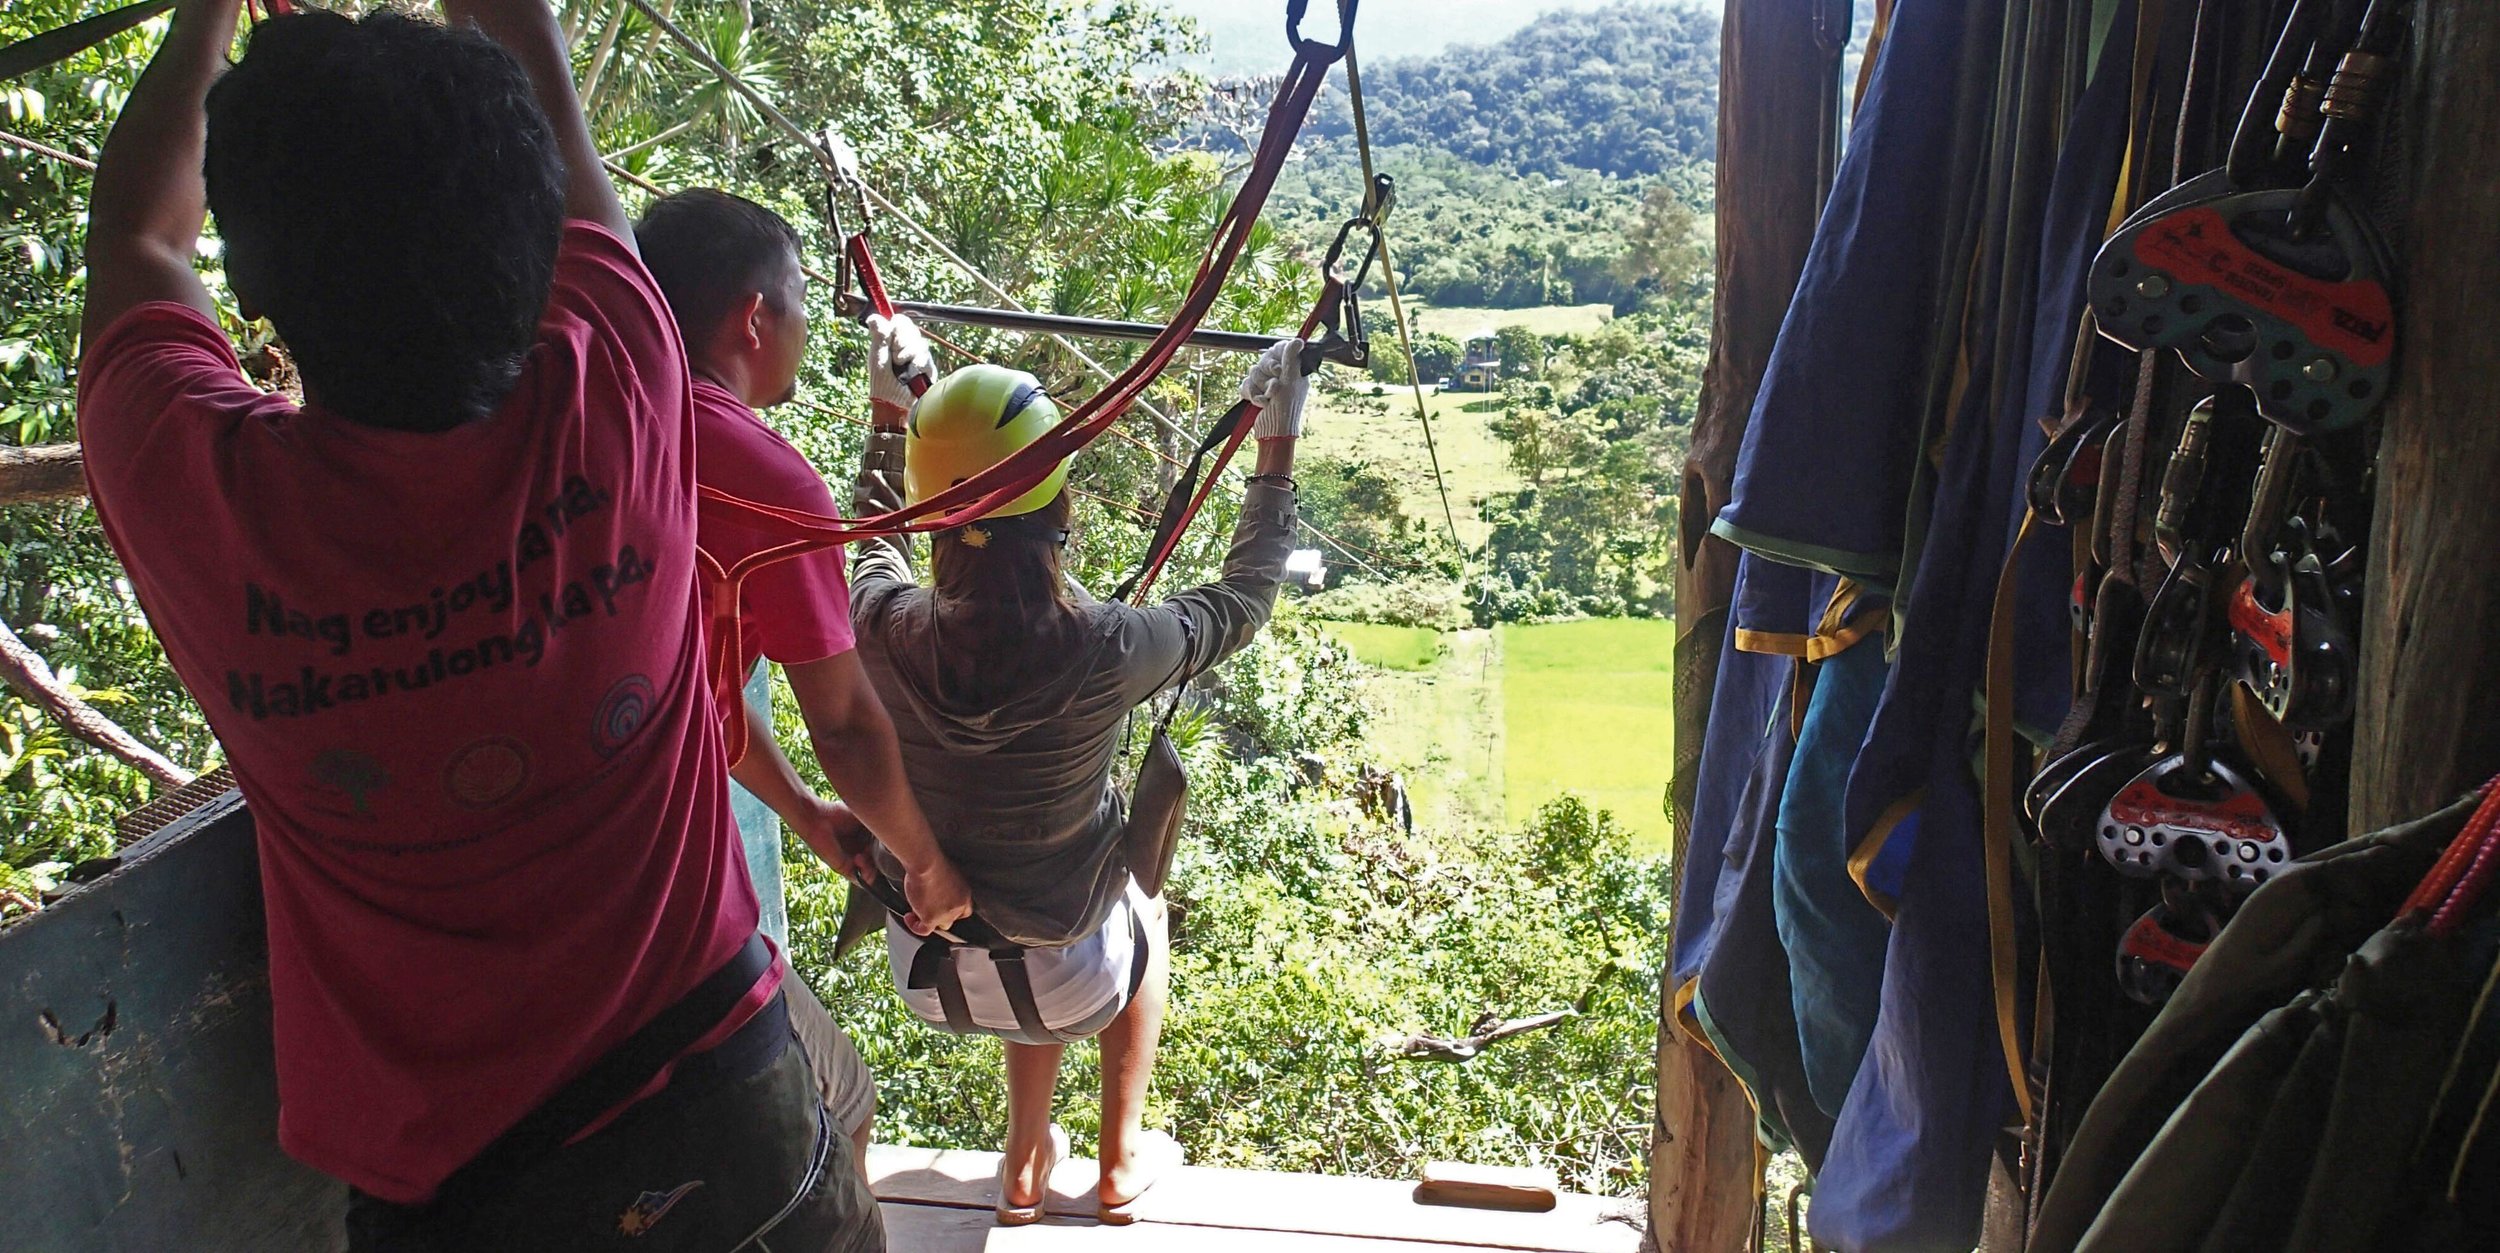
(649, 1208)
(621, 713)
(487, 772)
(357, 774)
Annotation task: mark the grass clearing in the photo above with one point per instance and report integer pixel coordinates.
(1493, 724)
(1391, 647)
(1441, 727)
(1461, 321)
(1382, 430)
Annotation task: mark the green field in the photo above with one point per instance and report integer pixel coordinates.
(1459, 322)
(1588, 707)
(1492, 724)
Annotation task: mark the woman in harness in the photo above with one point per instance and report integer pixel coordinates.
(1010, 688)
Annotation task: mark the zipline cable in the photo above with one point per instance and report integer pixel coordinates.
(1397, 307)
(70, 159)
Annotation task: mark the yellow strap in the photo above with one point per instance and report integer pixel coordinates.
(1844, 623)
(1998, 828)
(1776, 643)
(1862, 858)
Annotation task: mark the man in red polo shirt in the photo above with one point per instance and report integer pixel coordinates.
(730, 269)
(443, 619)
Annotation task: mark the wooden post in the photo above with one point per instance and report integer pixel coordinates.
(2429, 700)
(1777, 89)
(43, 472)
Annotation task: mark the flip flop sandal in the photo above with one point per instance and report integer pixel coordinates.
(1026, 1215)
(1160, 1155)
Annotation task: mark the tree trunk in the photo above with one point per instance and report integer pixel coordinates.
(1778, 87)
(2429, 712)
(43, 472)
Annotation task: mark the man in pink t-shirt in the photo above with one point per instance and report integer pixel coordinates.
(730, 269)
(443, 619)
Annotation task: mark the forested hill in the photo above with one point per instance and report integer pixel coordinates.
(1629, 90)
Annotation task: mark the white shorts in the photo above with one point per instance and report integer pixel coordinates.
(1079, 988)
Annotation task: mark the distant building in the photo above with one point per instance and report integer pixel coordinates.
(1480, 369)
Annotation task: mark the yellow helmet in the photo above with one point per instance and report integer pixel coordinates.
(971, 420)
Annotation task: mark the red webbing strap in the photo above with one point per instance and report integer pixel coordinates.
(870, 281)
(1163, 551)
(1170, 542)
(1017, 473)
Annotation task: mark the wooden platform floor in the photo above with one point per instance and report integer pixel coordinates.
(938, 1201)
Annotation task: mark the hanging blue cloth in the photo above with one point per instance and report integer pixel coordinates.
(1835, 936)
(1825, 468)
(1909, 1162)
(1729, 966)
(1747, 713)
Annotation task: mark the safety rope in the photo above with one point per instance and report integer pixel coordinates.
(70, 159)
(1397, 307)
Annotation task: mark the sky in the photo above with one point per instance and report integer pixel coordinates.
(1248, 36)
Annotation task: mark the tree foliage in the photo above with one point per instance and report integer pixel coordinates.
(1466, 234)
(1600, 441)
(1629, 90)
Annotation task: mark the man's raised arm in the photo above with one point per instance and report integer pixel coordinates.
(144, 216)
(528, 30)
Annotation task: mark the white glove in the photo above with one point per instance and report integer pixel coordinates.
(897, 353)
(1278, 386)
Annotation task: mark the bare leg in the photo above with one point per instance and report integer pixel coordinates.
(1128, 1064)
(1032, 1079)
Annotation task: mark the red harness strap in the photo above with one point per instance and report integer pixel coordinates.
(974, 498)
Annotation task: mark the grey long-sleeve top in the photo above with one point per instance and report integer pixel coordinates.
(1020, 792)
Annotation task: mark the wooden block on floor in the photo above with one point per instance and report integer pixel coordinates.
(1267, 1203)
(1523, 1188)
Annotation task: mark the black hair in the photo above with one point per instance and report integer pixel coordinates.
(391, 199)
(708, 250)
(1006, 619)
